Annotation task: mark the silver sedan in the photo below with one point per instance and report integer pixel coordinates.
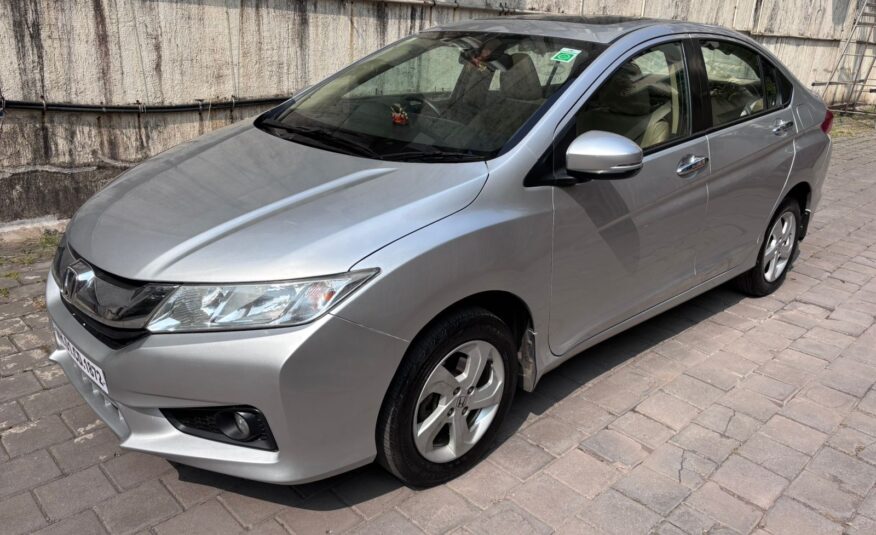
(372, 269)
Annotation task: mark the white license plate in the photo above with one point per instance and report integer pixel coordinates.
(89, 368)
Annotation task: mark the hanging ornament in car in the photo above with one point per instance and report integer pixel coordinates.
(399, 115)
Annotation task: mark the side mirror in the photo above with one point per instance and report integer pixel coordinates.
(602, 156)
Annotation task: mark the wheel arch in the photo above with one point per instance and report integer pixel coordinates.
(802, 193)
(514, 312)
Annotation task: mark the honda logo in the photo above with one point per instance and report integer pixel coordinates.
(77, 276)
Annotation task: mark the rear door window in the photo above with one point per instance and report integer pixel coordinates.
(735, 83)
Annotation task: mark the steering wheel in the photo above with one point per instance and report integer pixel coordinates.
(419, 97)
(749, 108)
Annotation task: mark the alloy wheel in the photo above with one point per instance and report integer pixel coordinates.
(459, 401)
(779, 246)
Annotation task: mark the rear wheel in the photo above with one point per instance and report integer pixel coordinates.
(776, 253)
(448, 398)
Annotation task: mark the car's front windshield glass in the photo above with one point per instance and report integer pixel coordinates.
(438, 96)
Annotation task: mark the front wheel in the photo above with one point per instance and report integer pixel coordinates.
(448, 398)
(776, 253)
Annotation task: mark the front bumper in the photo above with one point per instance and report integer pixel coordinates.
(320, 386)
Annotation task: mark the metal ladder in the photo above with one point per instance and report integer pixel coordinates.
(859, 62)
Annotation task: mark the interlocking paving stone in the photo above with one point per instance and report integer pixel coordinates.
(553, 434)
(693, 391)
(668, 410)
(583, 472)
(725, 415)
(32, 436)
(483, 485)
(750, 481)
(85, 523)
(705, 442)
(824, 495)
(614, 513)
(852, 474)
(52, 401)
(728, 422)
(520, 458)
(86, 450)
(548, 499)
(616, 448)
(781, 459)
(437, 510)
(656, 491)
(812, 414)
(388, 523)
(253, 502)
(11, 415)
(789, 517)
(18, 385)
(794, 434)
(20, 514)
(686, 467)
(507, 517)
(209, 517)
(643, 429)
(724, 508)
(137, 509)
(71, 494)
(27, 472)
(321, 513)
(131, 469)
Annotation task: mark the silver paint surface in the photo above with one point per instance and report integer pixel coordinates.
(586, 261)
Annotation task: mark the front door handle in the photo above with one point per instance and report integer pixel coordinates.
(780, 127)
(691, 164)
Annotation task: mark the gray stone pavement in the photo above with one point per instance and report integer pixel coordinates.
(725, 415)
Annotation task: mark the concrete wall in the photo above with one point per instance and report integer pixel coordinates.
(176, 51)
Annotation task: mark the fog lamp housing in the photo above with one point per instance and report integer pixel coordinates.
(239, 425)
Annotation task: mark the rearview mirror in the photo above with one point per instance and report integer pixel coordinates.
(603, 156)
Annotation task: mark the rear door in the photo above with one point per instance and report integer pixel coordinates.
(751, 142)
(624, 245)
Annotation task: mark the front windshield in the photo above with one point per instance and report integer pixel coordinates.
(437, 96)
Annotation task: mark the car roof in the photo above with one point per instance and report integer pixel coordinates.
(600, 29)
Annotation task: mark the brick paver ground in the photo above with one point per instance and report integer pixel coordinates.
(725, 415)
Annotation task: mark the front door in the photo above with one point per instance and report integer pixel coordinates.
(622, 246)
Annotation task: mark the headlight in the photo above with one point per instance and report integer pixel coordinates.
(250, 306)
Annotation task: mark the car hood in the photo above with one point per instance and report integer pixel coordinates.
(242, 205)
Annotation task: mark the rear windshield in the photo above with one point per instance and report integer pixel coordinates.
(437, 96)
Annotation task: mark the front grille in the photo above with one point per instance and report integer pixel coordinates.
(113, 309)
(112, 337)
(203, 422)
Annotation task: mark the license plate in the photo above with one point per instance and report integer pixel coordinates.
(90, 369)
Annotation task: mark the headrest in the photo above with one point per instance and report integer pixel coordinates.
(624, 94)
(521, 81)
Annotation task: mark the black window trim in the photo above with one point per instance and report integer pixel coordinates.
(704, 81)
(544, 171)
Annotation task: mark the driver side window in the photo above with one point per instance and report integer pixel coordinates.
(645, 100)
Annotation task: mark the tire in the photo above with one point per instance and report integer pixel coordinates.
(762, 279)
(454, 342)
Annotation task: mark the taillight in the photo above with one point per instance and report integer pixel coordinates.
(827, 123)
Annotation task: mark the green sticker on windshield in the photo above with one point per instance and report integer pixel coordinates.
(565, 55)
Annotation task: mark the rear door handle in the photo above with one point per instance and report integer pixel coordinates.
(780, 127)
(691, 164)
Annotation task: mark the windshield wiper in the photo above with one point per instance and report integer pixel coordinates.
(432, 156)
(324, 138)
